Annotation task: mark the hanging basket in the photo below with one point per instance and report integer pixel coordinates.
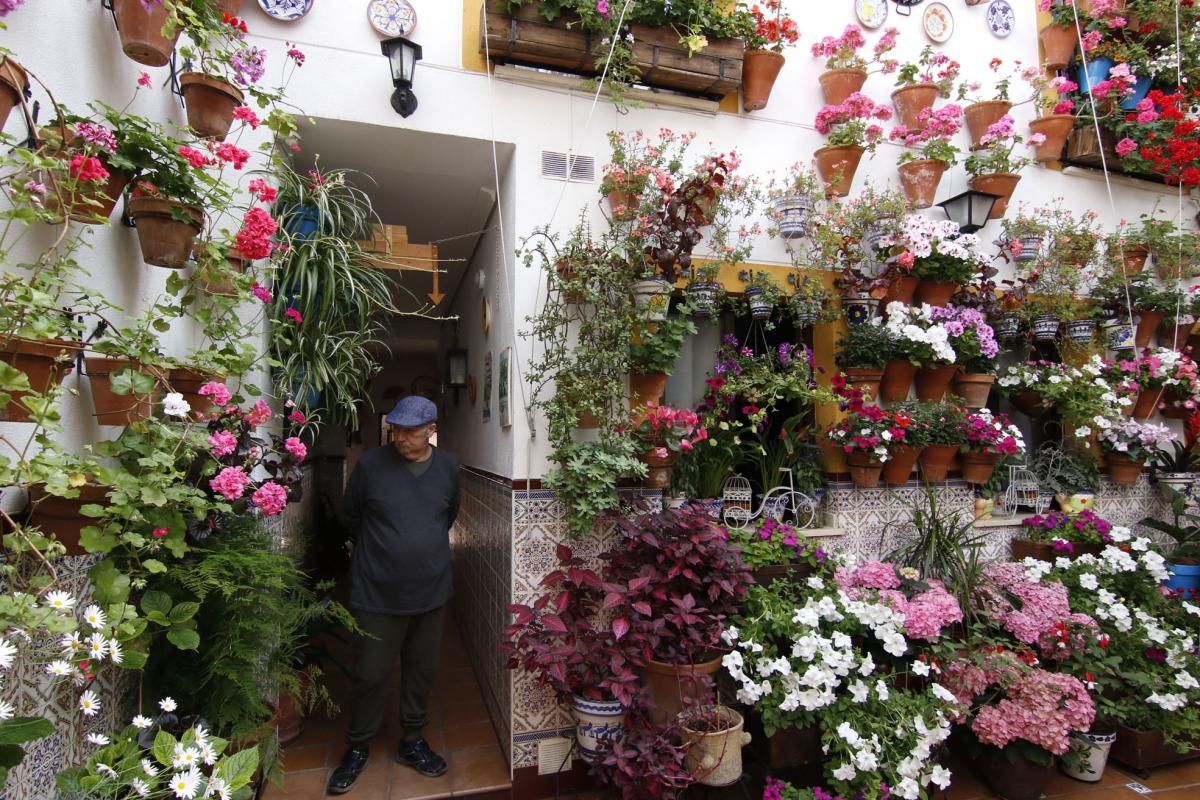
(140, 27)
(1058, 45)
(898, 377)
(187, 382)
(1147, 324)
(973, 388)
(935, 293)
(1031, 248)
(89, 202)
(166, 240)
(1118, 334)
(792, 212)
(932, 382)
(1123, 470)
(646, 387)
(761, 307)
(210, 103)
(1032, 404)
(703, 295)
(1008, 326)
(113, 408)
(981, 116)
(61, 517)
(1080, 331)
(910, 101)
(43, 362)
(653, 298)
(1045, 327)
(1056, 128)
(999, 183)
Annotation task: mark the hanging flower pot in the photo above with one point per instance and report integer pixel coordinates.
(646, 387)
(1045, 327)
(714, 740)
(791, 214)
(659, 463)
(864, 470)
(760, 68)
(897, 378)
(210, 103)
(113, 408)
(1008, 326)
(973, 388)
(233, 7)
(978, 467)
(1031, 248)
(1032, 404)
(219, 283)
(899, 467)
(598, 724)
(1123, 470)
(166, 241)
(932, 382)
(623, 204)
(88, 201)
(1080, 331)
(1056, 128)
(43, 362)
(900, 290)
(187, 382)
(981, 116)
(999, 183)
(935, 293)
(910, 101)
(936, 460)
(1118, 334)
(1147, 324)
(837, 166)
(1091, 756)
(920, 180)
(61, 516)
(866, 380)
(13, 81)
(1147, 403)
(859, 309)
(703, 295)
(140, 27)
(1177, 406)
(653, 298)
(838, 84)
(1058, 45)
(1132, 259)
(1174, 336)
(761, 307)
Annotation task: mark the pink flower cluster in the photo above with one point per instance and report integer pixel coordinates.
(271, 498)
(87, 169)
(926, 613)
(97, 135)
(845, 45)
(217, 392)
(259, 414)
(999, 131)
(856, 107)
(232, 154)
(1039, 613)
(944, 124)
(222, 443)
(674, 428)
(254, 238)
(230, 483)
(264, 191)
(196, 158)
(1042, 708)
(246, 114)
(296, 447)
(992, 434)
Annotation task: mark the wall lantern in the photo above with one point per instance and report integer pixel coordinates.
(456, 368)
(403, 56)
(970, 209)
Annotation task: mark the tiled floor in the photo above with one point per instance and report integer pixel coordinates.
(459, 730)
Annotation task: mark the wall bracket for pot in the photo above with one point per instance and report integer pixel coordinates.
(906, 4)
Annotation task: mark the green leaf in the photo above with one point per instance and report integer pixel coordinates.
(161, 325)
(112, 585)
(12, 379)
(164, 747)
(121, 382)
(153, 496)
(238, 769)
(182, 612)
(154, 566)
(156, 601)
(93, 510)
(133, 659)
(23, 729)
(97, 540)
(184, 638)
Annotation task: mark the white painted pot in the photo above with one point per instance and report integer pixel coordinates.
(715, 759)
(653, 298)
(1092, 749)
(792, 212)
(598, 723)
(1181, 482)
(1031, 247)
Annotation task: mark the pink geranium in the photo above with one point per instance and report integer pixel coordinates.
(230, 483)
(222, 443)
(271, 498)
(217, 392)
(296, 447)
(259, 414)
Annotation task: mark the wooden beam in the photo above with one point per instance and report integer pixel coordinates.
(395, 252)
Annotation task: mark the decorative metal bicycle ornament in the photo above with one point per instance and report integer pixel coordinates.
(1024, 491)
(778, 502)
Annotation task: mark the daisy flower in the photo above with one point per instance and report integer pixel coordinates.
(6, 710)
(141, 723)
(105, 769)
(114, 651)
(8, 651)
(93, 616)
(97, 647)
(98, 739)
(186, 784)
(71, 643)
(60, 601)
(140, 786)
(167, 704)
(59, 668)
(149, 768)
(217, 788)
(184, 757)
(89, 703)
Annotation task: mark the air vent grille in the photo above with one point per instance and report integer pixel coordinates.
(554, 755)
(564, 167)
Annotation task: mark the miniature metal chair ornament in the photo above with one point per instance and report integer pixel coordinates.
(778, 502)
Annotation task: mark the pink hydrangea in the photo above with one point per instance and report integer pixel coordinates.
(222, 443)
(869, 575)
(271, 498)
(296, 447)
(1042, 614)
(217, 392)
(258, 415)
(1042, 708)
(230, 483)
(929, 612)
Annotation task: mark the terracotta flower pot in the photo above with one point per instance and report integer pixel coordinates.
(1056, 128)
(837, 166)
(621, 199)
(140, 28)
(217, 282)
(234, 7)
(41, 364)
(1174, 408)
(920, 180)
(1001, 183)
(1058, 45)
(973, 388)
(1147, 403)
(1028, 548)
(910, 101)
(899, 467)
(12, 87)
(60, 515)
(838, 84)
(669, 683)
(113, 408)
(900, 290)
(1132, 259)
(210, 103)
(1148, 322)
(865, 379)
(936, 460)
(760, 68)
(1032, 404)
(935, 293)
(658, 469)
(89, 202)
(864, 471)
(1123, 470)
(1174, 335)
(932, 382)
(165, 241)
(187, 382)
(978, 467)
(646, 387)
(981, 116)
(897, 378)
(714, 756)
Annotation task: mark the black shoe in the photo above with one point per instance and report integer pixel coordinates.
(420, 757)
(353, 761)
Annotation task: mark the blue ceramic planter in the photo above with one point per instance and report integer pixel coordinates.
(1140, 90)
(1186, 577)
(301, 222)
(1096, 70)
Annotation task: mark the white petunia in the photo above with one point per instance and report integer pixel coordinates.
(89, 704)
(60, 601)
(920, 668)
(859, 692)
(881, 690)
(167, 704)
(1089, 581)
(175, 406)
(942, 693)
(98, 739)
(142, 722)
(93, 616)
(8, 652)
(186, 784)
(845, 772)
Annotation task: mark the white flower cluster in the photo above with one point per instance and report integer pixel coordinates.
(916, 325)
(923, 236)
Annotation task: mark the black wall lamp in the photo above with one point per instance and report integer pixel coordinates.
(402, 56)
(970, 209)
(456, 368)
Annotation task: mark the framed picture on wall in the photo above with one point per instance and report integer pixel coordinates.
(487, 386)
(503, 387)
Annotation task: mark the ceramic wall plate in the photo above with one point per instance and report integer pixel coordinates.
(286, 10)
(871, 13)
(1000, 18)
(938, 23)
(392, 17)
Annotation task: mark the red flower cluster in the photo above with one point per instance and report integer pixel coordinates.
(232, 154)
(774, 26)
(87, 168)
(236, 23)
(254, 239)
(1176, 154)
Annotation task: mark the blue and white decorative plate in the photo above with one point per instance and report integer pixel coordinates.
(1000, 18)
(871, 13)
(392, 17)
(286, 10)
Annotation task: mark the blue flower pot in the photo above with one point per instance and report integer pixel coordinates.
(1140, 90)
(1186, 577)
(1095, 71)
(301, 221)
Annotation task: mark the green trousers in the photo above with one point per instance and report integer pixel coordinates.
(417, 638)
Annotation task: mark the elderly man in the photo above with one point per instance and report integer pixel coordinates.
(399, 505)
